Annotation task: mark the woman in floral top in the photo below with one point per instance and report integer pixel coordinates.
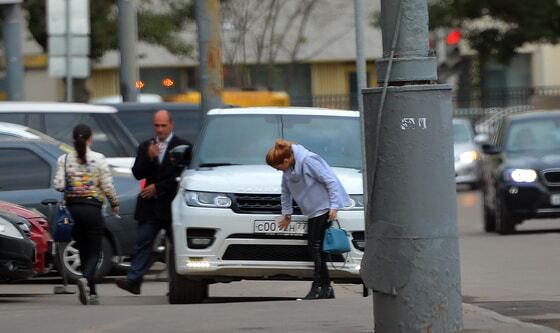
(85, 178)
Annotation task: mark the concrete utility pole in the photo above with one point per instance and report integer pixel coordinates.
(361, 71)
(11, 17)
(210, 70)
(128, 37)
(411, 261)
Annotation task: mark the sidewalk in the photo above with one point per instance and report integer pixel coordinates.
(477, 319)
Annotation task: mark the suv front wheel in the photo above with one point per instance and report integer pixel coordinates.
(505, 223)
(181, 289)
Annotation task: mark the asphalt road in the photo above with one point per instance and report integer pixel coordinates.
(515, 275)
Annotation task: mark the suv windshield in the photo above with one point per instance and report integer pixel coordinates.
(461, 133)
(245, 139)
(534, 135)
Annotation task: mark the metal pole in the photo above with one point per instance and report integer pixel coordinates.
(12, 38)
(411, 260)
(210, 70)
(127, 39)
(361, 71)
(69, 96)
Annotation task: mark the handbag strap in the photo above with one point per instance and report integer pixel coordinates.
(65, 181)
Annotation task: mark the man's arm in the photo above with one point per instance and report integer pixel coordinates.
(143, 165)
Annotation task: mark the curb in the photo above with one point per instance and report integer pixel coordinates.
(505, 319)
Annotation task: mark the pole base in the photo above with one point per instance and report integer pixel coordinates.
(60, 290)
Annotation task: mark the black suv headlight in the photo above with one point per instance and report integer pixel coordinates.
(520, 175)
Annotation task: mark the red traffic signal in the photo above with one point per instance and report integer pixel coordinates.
(454, 37)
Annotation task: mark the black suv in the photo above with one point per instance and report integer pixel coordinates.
(521, 170)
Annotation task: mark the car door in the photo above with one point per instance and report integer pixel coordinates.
(26, 173)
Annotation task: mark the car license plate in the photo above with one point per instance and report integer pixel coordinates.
(271, 227)
(555, 199)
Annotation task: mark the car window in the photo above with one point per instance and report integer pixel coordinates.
(534, 135)
(245, 139)
(60, 125)
(238, 140)
(139, 122)
(336, 139)
(21, 169)
(461, 133)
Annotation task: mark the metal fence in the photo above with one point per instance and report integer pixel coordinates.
(462, 98)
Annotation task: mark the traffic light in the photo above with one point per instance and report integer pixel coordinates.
(450, 60)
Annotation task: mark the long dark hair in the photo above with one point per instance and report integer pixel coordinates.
(81, 134)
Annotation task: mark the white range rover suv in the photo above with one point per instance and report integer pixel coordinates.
(224, 213)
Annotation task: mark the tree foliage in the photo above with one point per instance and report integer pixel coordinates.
(498, 27)
(159, 23)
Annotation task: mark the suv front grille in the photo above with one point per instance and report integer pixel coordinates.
(552, 176)
(259, 204)
(272, 253)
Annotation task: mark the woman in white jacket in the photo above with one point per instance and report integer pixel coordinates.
(85, 178)
(309, 181)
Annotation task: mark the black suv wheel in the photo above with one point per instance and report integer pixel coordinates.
(505, 223)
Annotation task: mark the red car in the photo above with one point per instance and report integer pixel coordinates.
(38, 233)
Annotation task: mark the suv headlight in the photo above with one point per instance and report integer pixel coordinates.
(9, 230)
(207, 199)
(468, 156)
(356, 202)
(521, 175)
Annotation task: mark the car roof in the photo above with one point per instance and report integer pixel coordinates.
(537, 114)
(17, 130)
(306, 111)
(135, 106)
(40, 107)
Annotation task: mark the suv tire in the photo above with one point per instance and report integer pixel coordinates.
(181, 289)
(489, 216)
(505, 224)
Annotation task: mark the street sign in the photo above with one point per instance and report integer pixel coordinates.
(68, 28)
(79, 46)
(79, 17)
(79, 66)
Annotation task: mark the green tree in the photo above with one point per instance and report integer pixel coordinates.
(159, 22)
(496, 28)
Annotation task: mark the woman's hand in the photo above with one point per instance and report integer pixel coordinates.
(332, 214)
(284, 223)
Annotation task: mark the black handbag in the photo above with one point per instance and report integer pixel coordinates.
(64, 222)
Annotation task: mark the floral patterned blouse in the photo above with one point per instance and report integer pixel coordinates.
(92, 180)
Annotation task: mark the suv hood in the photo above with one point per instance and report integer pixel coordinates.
(254, 179)
(534, 161)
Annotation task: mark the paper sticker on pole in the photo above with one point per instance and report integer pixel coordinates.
(413, 123)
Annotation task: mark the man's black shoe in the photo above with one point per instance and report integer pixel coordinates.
(129, 286)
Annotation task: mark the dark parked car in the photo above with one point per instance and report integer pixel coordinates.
(137, 117)
(17, 252)
(26, 173)
(36, 227)
(521, 170)
(110, 136)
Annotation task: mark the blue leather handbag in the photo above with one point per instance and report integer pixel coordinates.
(64, 223)
(336, 240)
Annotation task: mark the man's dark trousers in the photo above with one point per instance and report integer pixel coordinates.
(146, 234)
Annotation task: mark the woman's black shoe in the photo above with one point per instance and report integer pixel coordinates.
(314, 293)
(326, 292)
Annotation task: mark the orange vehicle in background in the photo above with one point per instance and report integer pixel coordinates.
(242, 98)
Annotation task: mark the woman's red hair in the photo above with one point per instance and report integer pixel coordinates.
(282, 149)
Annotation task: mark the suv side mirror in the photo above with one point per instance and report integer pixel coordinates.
(490, 149)
(180, 156)
(481, 138)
